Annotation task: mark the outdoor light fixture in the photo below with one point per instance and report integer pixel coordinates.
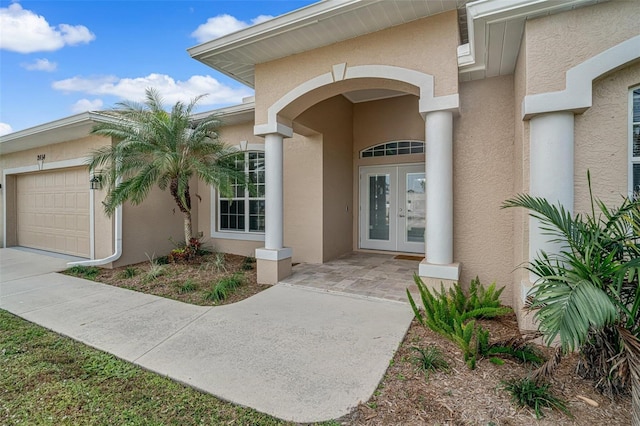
(95, 182)
(40, 161)
(243, 145)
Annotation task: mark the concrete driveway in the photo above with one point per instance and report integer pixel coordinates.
(296, 353)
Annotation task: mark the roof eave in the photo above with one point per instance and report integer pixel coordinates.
(57, 131)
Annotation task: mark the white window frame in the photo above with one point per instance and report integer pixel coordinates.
(227, 234)
(632, 159)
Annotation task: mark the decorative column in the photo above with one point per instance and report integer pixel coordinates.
(551, 174)
(438, 265)
(274, 260)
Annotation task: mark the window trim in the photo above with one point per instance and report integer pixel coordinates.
(384, 149)
(233, 235)
(632, 159)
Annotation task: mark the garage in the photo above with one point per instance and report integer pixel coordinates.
(53, 211)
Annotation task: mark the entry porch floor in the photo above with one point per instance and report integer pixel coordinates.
(382, 276)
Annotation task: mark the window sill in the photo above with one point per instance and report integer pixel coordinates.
(243, 236)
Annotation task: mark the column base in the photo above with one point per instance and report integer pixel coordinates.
(273, 265)
(435, 276)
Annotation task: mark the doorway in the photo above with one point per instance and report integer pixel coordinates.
(393, 208)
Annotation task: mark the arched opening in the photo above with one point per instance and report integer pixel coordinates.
(340, 113)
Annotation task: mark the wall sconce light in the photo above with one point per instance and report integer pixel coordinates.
(40, 161)
(95, 182)
(243, 145)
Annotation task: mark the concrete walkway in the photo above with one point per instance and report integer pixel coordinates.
(293, 352)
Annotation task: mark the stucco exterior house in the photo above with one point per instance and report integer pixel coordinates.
(392, 126)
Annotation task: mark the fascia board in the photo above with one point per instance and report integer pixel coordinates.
(288, 22)
(14, 142)
(482, 13)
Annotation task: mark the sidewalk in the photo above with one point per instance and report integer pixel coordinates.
(292, 352)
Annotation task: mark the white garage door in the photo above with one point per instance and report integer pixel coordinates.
(53, 211)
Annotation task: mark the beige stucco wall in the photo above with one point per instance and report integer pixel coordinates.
(559, 42)
(436, 37)
(303, 211)
(152, 228)
(483, 179)
(333, 120)
(60, 152)
(520, 177)
(602, 140)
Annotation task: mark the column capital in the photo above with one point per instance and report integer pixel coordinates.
(271, 129)
(449, 103)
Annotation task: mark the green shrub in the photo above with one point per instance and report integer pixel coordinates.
(247, 263)
(525, 392)
(430, 359)
(451, 314)
(187, 287)
(155, 269)
(517, 349)
(219, 262)
(87, 272)
(223, 288)
(129, 272)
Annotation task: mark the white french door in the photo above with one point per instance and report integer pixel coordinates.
(393, 208)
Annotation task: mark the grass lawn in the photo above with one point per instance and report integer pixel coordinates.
(48, 379)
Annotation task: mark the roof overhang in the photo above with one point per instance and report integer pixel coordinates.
(320, 24)
(495, 29)
(66, 129)
(80, 125)
(231, 115)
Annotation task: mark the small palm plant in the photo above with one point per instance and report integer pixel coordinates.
(155, 147)
(588, 294)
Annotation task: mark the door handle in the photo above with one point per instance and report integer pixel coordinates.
(400, 215)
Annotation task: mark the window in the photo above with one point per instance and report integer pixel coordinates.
(635, 142)
(245, 211)
(393, 148)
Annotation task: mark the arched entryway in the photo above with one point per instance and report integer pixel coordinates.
(436, 111)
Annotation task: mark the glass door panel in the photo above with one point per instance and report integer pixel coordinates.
(392, 208)
(415, 208)
(379, 206)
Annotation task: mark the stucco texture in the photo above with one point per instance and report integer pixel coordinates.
(602, 140)
(559, 42)
(483, 179)
(333, 120)
(437, 37)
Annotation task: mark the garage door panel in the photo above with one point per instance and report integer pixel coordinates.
(53, 211)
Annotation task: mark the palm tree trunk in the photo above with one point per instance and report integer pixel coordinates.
(632, 347)
(188, 230)
(185, 209)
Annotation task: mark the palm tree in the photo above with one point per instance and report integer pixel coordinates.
(588, 294)
(167, 149)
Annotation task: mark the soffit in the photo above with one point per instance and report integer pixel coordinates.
(320, 24)
(66, 129)
(495, 30)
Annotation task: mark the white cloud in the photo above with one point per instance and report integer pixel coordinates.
(41, 65)
(87, 105)
(23, 31)
(133, 89)
(5, 129)
(221, 25)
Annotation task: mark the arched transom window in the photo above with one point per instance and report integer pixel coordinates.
(388, 149)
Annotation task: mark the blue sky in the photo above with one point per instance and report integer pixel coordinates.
(59, 58)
